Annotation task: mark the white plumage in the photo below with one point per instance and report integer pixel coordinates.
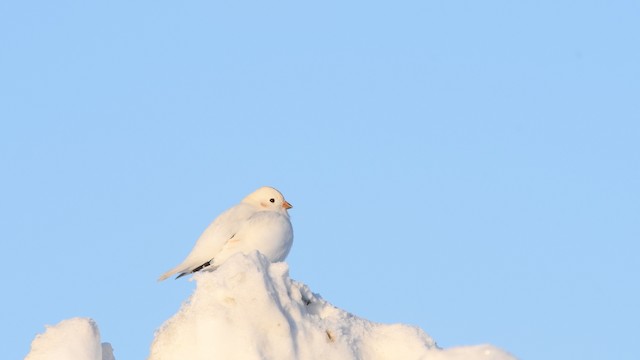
(259, 222)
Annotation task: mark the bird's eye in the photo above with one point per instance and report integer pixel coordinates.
(272, 200)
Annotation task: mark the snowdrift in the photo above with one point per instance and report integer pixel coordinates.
(72, 339)
(251, 309)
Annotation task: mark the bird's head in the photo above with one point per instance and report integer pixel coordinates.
(268, 198)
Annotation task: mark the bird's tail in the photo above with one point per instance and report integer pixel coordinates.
(185, 271)
(175, 270)
(166, 275)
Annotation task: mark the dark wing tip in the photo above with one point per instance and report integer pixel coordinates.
(181, 275)
(194, 270)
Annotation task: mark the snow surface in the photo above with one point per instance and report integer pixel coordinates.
(250, 309)
(72, 339)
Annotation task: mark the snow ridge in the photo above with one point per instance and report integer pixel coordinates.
(250, 308)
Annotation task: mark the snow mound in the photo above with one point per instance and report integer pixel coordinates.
(72, 339)
(250, 309)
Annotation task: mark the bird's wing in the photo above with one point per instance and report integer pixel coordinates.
(266, 231)
(223, 228)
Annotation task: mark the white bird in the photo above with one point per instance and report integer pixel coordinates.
(259, 222)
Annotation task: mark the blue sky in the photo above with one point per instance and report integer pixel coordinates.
(470, 168)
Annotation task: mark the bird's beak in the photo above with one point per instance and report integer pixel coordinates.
(286, 205)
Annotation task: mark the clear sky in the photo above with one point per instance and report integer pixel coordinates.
(468, 167)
